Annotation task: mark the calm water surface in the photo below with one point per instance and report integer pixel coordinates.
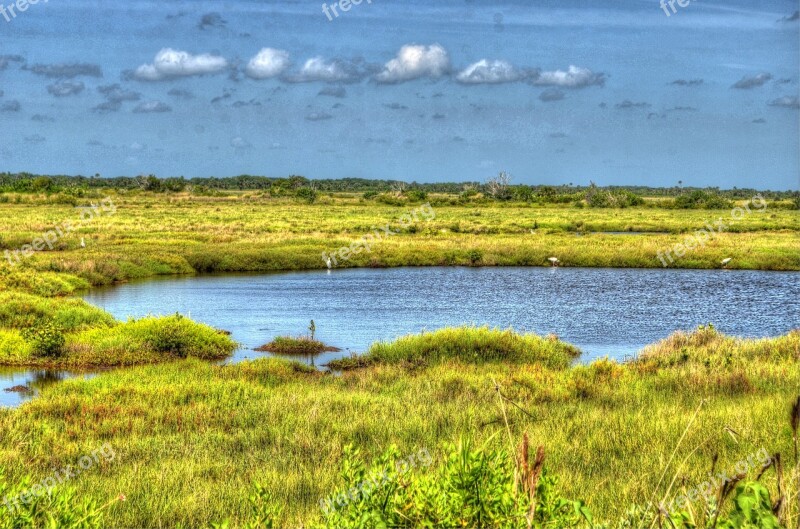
(606, 312)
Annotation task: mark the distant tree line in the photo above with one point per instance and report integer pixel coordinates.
(499, 188)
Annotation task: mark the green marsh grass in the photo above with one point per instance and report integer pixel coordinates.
(296, 346)
(193, 437)
(466, 344)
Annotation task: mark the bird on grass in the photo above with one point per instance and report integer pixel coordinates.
(83, 243)
(726, 261)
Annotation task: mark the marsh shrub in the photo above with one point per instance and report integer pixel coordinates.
(612, 198)
(416, 195)
(46, 339)
(700, 199)
(473, 488)
(56, 508)
(307, 194)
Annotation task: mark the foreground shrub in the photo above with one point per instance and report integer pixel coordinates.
(55, 508)
(473, 488)
(46, 339)
(467, 344)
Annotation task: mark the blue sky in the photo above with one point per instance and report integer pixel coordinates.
(552, 91)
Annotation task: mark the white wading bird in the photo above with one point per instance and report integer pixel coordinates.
(726, 261)
(83, 243)
(553, 260)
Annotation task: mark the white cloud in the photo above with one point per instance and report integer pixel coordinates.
(415, 61)
(268, 63)
(574, 77)
(317, 69)
(489, 72)
(170, 63)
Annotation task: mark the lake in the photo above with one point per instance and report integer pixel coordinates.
(605, 312)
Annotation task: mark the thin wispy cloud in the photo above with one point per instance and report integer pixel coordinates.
(753, 81)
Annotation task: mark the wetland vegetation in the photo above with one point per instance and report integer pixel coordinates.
(264, 441)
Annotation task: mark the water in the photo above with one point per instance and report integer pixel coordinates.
(605, 312)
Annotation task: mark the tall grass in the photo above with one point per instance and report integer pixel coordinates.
(193, 437)
(467, 344)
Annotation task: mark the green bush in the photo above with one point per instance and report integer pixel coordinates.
(22, 507)
(307, 194)
(611, 198)
(46, 339)
(416, 195)
(699, 199)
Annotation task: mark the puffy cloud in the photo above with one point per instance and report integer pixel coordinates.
(754, 81)
(414, 62)
(66, 88)
(170, 63)
(66, 71)
(150, 107)
(574, 77)
(551, 94)
(489, 72)
(785, 102)
(268, 63)
(316, 69)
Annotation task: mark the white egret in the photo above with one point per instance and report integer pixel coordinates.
(83, 243)
(553, 260)
(726, 261)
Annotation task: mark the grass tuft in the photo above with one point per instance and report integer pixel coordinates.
(468, 345)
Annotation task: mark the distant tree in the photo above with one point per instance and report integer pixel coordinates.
(497, 187)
